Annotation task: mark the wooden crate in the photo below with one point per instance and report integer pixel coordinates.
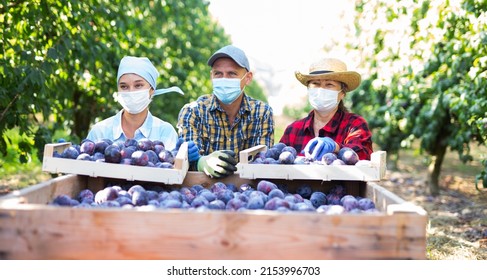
(31, 229)
(112, 170)
(375, 172)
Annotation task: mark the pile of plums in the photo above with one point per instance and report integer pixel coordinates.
(144, 152)
(266, 195)
(280, 153)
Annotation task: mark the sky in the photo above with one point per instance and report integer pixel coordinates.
(280, 37)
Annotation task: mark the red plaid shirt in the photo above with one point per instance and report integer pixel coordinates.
(347, 129)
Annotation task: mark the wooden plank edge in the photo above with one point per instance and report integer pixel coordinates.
(392, 202)
(250, 152)
(44, 188)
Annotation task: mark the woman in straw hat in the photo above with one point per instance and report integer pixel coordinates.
(329, 126)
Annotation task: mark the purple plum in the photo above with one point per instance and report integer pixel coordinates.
(266, 186)
(304, 191)
(328, 158)
(136, 188)
(130, 142)
(318, 199)
(216, 205)
(70, 153)
(338, 162)
(349, 203)
(333, 199)
(278, 146)
(100, 146)
(140, 158)
(272, 153)
(290, 149)
(127, 152)
(112, 154)
(286, 157)
(145, 144)
(86, 194)
(166, 156)
(366, 204)
(255, 202)
(106, 194)
(276, 193)
(275, 203)
(88, 147)
(139, 198)
(199, 201)
(348, 156)
(234, 204)
(153, 157)
(84, 156)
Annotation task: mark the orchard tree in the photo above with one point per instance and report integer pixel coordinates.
(427, 66)
(59, 58)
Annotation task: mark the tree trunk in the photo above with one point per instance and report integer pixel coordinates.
(84, 106)
(392, 159)
(434, 169)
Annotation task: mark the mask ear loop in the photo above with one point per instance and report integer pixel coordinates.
(244, 85)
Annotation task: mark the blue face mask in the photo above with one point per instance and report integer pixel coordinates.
(227, 90)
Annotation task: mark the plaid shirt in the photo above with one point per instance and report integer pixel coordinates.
(347, 129)
(206, 123)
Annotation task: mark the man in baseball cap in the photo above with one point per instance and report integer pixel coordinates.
(227, 121)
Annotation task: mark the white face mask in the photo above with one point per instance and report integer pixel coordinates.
(227, 90)
(134, 102)
(323, 100)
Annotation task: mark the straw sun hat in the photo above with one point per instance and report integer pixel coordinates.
(330, 69)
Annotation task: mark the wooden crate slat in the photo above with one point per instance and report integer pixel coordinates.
(112, 170)
(374, 172)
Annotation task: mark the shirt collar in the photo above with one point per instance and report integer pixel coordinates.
(245, 106)
(144, 129)
(331, 126)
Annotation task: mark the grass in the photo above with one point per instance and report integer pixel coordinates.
(14, 174)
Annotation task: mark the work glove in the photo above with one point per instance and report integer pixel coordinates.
(218, 164)
(179, 143)
(193, 152)
(319, 146)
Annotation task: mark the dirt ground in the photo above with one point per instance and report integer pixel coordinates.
(457, 227)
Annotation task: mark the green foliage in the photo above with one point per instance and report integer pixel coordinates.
(297, 113)
(12, 157)
(58, 61)
(255, 91)
(427, 78)
(482, 176)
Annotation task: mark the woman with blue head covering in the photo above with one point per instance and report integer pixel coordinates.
(136, 83)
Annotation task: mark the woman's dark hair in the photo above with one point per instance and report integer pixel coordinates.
(341, 105)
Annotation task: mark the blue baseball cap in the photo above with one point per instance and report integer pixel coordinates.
(141, 66)
(232, 52)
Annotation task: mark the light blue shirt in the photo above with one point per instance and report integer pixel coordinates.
(153, 128)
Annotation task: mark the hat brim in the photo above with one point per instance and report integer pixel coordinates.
(351, 78)
(216, 56)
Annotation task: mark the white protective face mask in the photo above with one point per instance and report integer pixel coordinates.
(134, 102)
(323, 100)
